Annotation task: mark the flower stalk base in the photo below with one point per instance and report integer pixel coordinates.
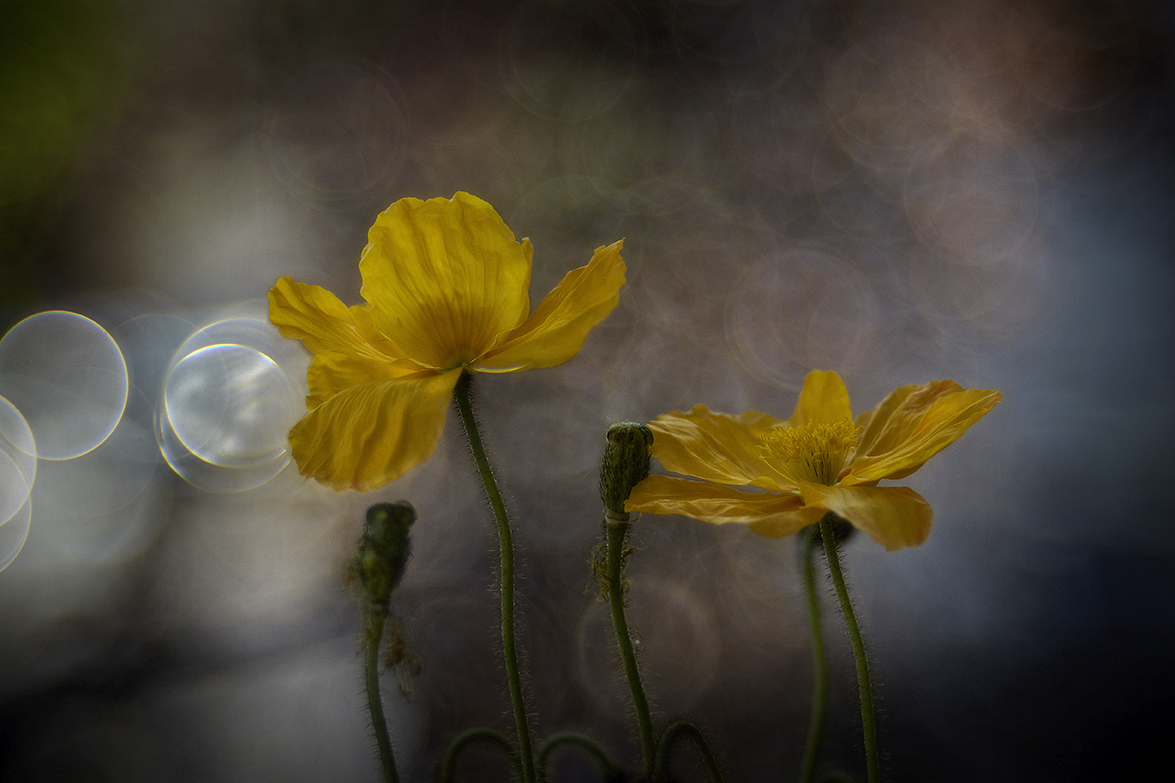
(506, 550)
(865, 686)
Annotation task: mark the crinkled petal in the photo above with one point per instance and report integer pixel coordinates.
(445, 278)
(556, 329)
(894, 517)
(895, 417)
(823, 400)
(334, 373)
(714, 446)
(324, 324)
(912, 425)
(767, 513)
(368, 435)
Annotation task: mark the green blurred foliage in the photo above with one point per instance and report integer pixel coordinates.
(63, 74)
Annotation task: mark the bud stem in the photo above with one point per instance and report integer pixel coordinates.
(377, 566)
(626, 463)
(819, 660)
(375, 629)
(617, 533)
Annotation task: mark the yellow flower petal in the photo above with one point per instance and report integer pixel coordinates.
(714, 446)
(445, 278)
(767, 513)
(371, 434)
(892, 516)
(333, 373)
(912, 425)
(823, 400)
(556, 329)
(315, 316)
(347, 348)
(894, 418)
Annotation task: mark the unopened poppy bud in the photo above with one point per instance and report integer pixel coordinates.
(627, 459)
(382, 555)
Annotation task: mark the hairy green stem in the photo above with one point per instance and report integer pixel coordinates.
(819, 660)
(375, 630)
(449, 760)
(617, 529)
(578, 740)
(506, 550)
(670, 737)
(868, 722)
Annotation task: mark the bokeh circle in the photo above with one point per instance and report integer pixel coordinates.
(68, 378)
(18, 460)
(228, 404)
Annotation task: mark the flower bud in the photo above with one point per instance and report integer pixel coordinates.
(382, 554)
(627, 459)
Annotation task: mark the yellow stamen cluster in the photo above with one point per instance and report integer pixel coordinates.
(814, 452)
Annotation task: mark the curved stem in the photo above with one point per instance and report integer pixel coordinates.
(506, 550)
(684, 727)
(617, 533)
(449, 760)
(578, 740)
(819, 659)
(868, 722)
(375, 630)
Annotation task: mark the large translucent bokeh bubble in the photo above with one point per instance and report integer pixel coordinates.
(14, 532)
(229, 401)
(67, 377)
(97, 486)
(14, 488)
(82, 502)
(149, 342)
(18, 460)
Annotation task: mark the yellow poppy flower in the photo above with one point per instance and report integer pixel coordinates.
(819, 460)
(446, 286)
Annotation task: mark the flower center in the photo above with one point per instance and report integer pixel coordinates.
(460, 359)
(814, 452)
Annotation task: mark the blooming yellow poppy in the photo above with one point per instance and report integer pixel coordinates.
(446, 286)
(819, 460)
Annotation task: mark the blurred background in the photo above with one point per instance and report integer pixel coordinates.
(900, 191)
